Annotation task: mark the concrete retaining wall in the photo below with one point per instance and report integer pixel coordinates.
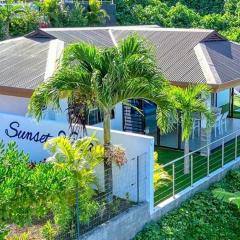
(128, 224)
(123, 227)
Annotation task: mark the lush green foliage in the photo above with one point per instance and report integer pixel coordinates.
(219, 15)
(200, 217)
(96, 15)
(31, 192)
(95, 77)
(227, 196)
(214, 14)
(26, 191)
(7, 13)
(188, 101)
(231, 195)
(19, 19)
(24, 22)
(80, 158)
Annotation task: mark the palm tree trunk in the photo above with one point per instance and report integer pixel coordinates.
(7, 28)
(187, 158)
(107, 164)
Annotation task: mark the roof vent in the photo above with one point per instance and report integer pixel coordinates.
(214, 36)
(39, 34)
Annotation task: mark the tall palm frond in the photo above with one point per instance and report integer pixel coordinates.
(190, 100)
(187, 102)
(96, 15)
(82, 154)
(103, 77)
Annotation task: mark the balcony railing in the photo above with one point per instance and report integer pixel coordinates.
(201, 164)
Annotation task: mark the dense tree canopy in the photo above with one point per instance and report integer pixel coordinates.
(220, 15)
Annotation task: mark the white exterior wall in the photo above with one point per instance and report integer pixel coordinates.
(117, 121)
(30, 136)
(14, 105)
(19, 106)
(223, 97)
(61, 116)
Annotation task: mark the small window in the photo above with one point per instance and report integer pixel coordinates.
(95, 116)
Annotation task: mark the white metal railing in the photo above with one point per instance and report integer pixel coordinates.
(202, 162)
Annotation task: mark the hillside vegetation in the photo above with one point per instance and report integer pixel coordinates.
(202, 217)
(221, 15)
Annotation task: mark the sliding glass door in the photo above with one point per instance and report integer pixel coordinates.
(235, 102)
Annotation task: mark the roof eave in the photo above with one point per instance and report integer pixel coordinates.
(16, 92)
(224, 86)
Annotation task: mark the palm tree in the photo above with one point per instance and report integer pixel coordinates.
(92, 77)
(96, 16)
(189, 101)
(80, 158)
(51, 11)
(8, 11)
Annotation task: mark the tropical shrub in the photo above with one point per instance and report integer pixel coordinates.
(8, 11)
(160, 176)
(30, 192)
(80, 158)
(49, 231)
(202, 217)
(52, 11)
(232, 194)
(181, 16)
(96, 15)
(76, 16)
(24, 22)
(215, 21)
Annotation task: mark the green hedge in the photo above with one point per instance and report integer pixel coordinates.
(202, 217)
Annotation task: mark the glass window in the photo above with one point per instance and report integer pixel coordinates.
(95, 116)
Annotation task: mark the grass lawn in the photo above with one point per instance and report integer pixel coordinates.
(200, 170)
(201, 217)
(236, 112)
(236, 107)
(166, 155)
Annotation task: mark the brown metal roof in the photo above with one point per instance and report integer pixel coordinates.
(23, 63)
(176, 51)
(185, 56)
(100, 38)
(225, 57)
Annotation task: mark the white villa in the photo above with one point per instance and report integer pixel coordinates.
(185, 56)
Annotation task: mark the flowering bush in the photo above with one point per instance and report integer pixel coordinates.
(116, 154)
